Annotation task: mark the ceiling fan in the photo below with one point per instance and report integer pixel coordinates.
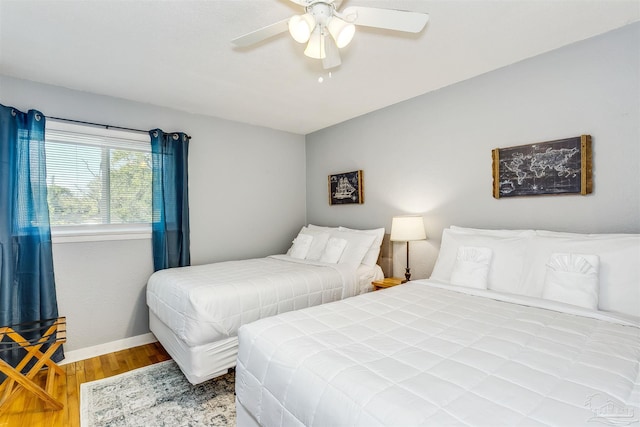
(325, 30)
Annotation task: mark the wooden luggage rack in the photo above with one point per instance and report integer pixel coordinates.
(50, 332)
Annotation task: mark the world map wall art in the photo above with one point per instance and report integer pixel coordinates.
(563, 166)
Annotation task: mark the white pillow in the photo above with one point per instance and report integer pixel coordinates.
(507, 260)
(471, 268)
(357, 246)
(490, 232)
(619, 268)
(301, 245)
(572, 279)
(333, 251)
(322, 228)
(320, 239)
(289, 250)
(371, 257)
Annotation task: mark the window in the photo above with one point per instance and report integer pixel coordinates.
(98, 180)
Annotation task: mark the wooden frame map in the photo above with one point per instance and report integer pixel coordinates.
(563, 166)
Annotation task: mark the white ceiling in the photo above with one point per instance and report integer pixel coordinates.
(179, 54)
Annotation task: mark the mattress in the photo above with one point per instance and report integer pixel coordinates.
(418, 354)
(207, 303)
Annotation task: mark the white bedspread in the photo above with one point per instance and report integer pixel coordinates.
(205, 303)
(422, 355)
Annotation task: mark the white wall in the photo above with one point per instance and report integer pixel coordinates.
(431, 155)
(247, 199)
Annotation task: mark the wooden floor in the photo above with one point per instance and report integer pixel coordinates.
(28, 410)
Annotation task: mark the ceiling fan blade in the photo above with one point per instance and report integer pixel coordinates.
(390, 19)
(332, 55)
(262, 34)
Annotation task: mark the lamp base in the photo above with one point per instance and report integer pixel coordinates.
(407, 274)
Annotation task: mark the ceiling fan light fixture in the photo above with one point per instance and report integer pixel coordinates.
(301, 26)
(324, 30)
(315, 47)
(341, 31)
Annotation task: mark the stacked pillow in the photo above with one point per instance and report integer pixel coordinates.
(572, 279)
(486, 259)
(471, 267)
(337, 245)
(594, 271)
(371, 257)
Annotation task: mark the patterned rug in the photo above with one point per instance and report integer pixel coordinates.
(157, 395)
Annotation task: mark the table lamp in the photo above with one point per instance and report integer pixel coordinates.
(406, 229)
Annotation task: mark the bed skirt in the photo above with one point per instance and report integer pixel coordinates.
(198, 363)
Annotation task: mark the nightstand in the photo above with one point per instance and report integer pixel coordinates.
(387, 282)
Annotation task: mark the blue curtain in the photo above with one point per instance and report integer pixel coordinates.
(27, 284)
(170, 199)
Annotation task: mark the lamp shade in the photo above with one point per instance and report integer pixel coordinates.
(315, 48)
(407, 228)
(301, 26)
(341, 31)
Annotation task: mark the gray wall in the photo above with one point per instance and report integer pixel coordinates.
(239, 206)
(431, 155)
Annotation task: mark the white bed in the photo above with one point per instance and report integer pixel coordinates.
(195, 312)
(481, 352)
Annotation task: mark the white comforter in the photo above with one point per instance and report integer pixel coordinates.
(422, 355)
(206, 303)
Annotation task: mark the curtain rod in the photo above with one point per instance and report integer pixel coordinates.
(102, 125)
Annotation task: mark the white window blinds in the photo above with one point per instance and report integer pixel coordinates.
(97, 176)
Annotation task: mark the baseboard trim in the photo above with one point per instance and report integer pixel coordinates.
(109, 347)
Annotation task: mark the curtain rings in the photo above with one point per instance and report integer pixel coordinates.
(175, 136)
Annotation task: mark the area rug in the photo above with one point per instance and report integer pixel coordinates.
(157, 395)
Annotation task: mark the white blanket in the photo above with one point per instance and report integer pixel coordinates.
(209, 302)
(423, 355)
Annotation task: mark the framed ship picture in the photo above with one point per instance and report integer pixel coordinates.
(346, 188)
(563, 166)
